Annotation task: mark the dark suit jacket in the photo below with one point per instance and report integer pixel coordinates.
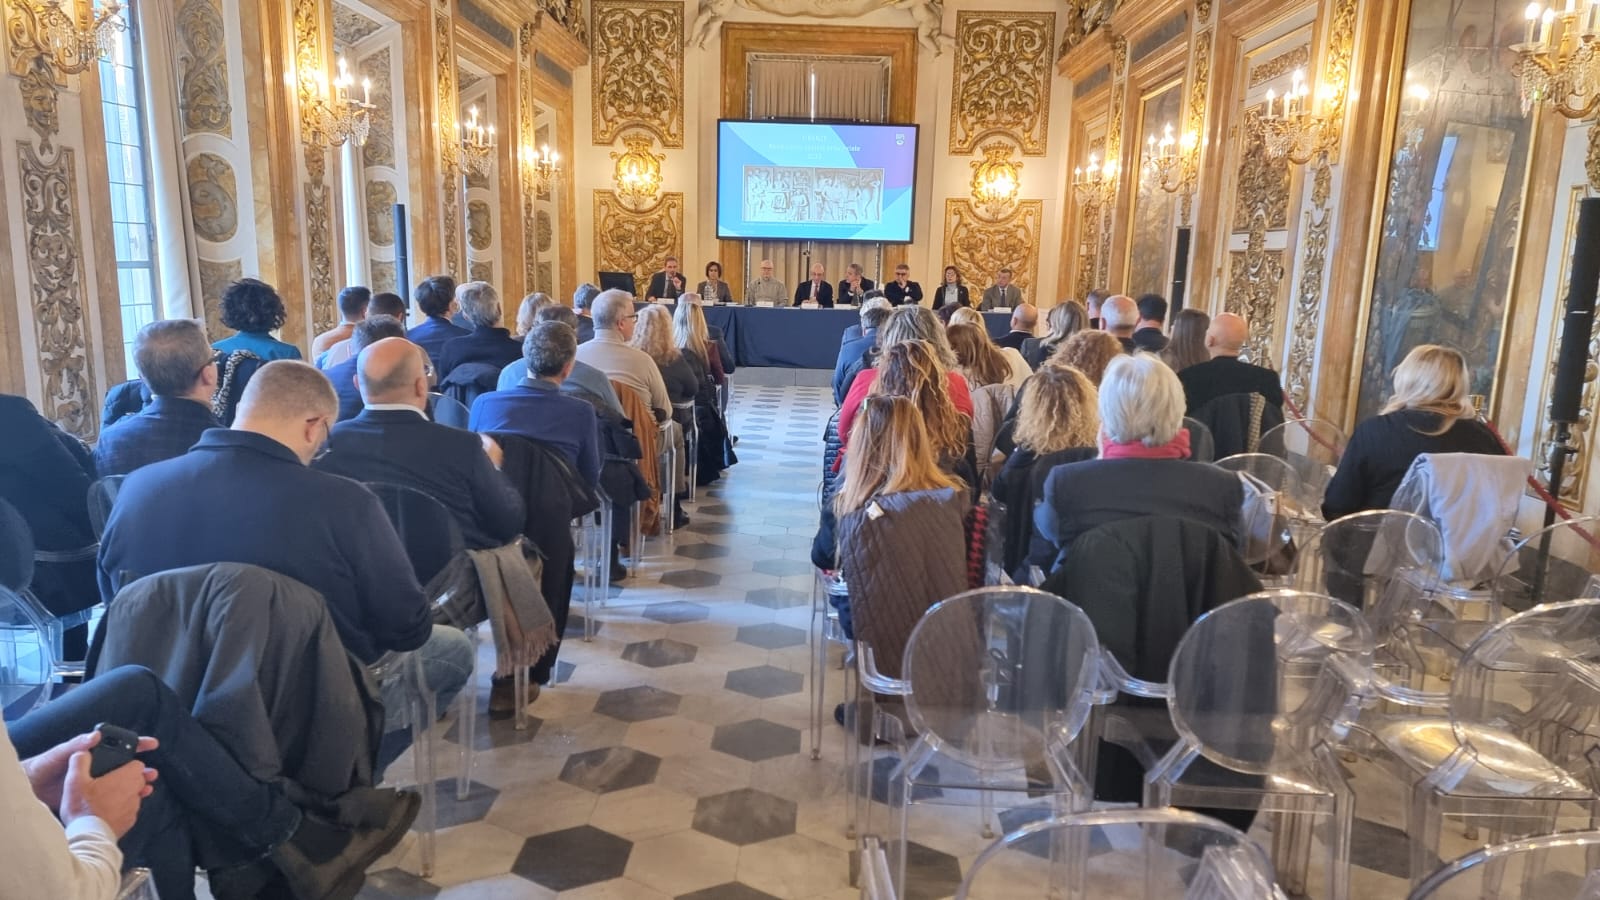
(537, 411)
(585, 329)
(1150, 339)
(896, 295)
(432, 334)
(824, 293)
(1382, 448)
(1223, 375)
(963, 298)
(1014, 339)
(168, 427)
(494, 346)
(445, 463)
(658, 286)
(243, 497)
(343, 377)
(843, 290)
(850, 352)
(45, 473)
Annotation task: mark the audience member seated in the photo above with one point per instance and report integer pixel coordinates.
(854, 352)
(610, 352)
(381, 304)
(653, 335)
(176, 364)
(1017, 367)
(45, 473)
(951, 291)
(1058, 422)
(1143, 468)
(1187, 346)
(1150, 335)
(1430, 411)
(371, 330)
(691, 333)
(911, 369)
(896, 468)
(853, 287)
(713, 289)
(582, 303)
(436, 298)
(714, 448)
(487, 343)
(1092, 303)
(353, 302)
(392, 441)
(185, 802)
(907, 323)
(817, 290)
(586, 382)
(1024, 319)
(536, 409)
(527, 310)
(253, 308)
(1002, 293)
(248, 495)
(765, 288)
(1119, 315)
(992, 384)
(902, 289)
(851, 332)
(1090, 352)
(1223, 373)
(1064, 320)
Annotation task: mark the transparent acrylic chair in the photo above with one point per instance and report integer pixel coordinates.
(1263, 688)
(1313, 447)
(997, 683)
(1561, 562)
(1563, 866)
(26, 670)
(691, 443)
(1146, 853)
(1515, 751)
(825, 632)
(1270, 524)
(420, 715)
(593, 545)
(137, 885)
(669, 475)
(18, 558)
(102, 496)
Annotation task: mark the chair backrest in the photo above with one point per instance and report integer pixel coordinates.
(16, 548)
(1143, 853)
(25, 654)
(1549, 867)
(430, 533)
(1383, 562)
(1561, 562)
(137, 884)
(1260, 684)
(1473, 498)
(1312, 446)
(469, 381)
(102, 496)
(1237, 421)
(1202, 446)
(450, 411)
(1001, 674)
(1272, 500)
(1534, 679)
(1269, 470)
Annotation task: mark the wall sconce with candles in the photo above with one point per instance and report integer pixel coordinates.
(477, 144)
(73, 35)
(1174, 163)
(638, 171)
(540, 168)
(1558, 62)
(1095, 184)
(330, 113)
(996, 180)
(1291, 127)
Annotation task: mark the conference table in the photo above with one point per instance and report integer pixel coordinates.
(794, 338)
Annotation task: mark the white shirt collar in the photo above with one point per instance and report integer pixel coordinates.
(396, 407)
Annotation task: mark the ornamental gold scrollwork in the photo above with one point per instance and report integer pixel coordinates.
(381, 273)
(379, 148)
(638, 66)
(637, 241)
(56, 288)
(1591, 160)
(381, 198)
(974, 243)
(1084, 17)
(1254, 277)
(527, 137)
(1575, 475)
(319, 238)
(213, 197)
(1263, 188)
(480, 225)
(1002, 80)
(444, 72)
(1282, 64)
(569, 14)
(1113, 150)
(1202, 12)
(1199, 88)
(203, 69)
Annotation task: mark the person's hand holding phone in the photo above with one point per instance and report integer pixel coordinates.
(112, 798)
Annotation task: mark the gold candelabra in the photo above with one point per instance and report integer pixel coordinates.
(996, 180)
(330, 111)
(1173, 162)
(1558, 62)
(638, 171)
(72, 40)
(1291, 127)
(541, 168)
(1095, 184)
(477, 144)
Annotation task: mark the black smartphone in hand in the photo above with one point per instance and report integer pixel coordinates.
(116, 749)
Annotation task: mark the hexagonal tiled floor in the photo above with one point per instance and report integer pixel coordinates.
(777, 598)
(638, 703)
(745, 816)
(771, 636)
(564, 860)
(765, 682)
(677, 612)
(658, 653)
(691, 578)
(610, 769)
(703, 551)
(756, 740)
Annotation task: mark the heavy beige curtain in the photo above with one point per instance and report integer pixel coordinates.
(851, 88)
(177, 259)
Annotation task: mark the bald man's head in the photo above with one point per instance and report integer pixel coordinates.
(1227, 335)
(390, 371)
(1025, 317)
(291, 402)
(1119, 315)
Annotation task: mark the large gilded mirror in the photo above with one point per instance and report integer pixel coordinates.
(480, 112)
(1457, 180)
(1150, 232)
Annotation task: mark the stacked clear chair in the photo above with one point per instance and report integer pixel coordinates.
(1514, 752)
(26, 659)
(18, 556)
(1275, 521)
(1313, 447)
(592, 541)
(691, 443)
(826, 631)
(1136, 853)
(1562, 866)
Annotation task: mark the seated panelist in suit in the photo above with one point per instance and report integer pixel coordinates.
(343, 376)
(176, 362)
(853, 289)
(951, 291)
(902, 289)
(392, 441)
(817, 289)
(1002, 293)
(668, 283)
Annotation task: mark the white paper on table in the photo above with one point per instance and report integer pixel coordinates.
(765, 304)
(810, 304)
(1001, 309)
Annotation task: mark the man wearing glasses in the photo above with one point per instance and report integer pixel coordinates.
(176, 363)
(614, 320)
(902, 289)
(766, 289)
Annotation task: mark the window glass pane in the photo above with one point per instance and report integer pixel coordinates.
(121, 99)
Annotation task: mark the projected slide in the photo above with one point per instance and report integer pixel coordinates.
(805, 181)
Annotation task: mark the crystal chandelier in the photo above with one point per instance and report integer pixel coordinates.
(1289, 127)
(477, 144)
(75, 42)
(1173, 163)
(1557, 60)
(541, 168)
(1095, 185)
(332, 114)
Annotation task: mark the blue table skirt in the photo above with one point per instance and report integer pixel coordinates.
(792, 338)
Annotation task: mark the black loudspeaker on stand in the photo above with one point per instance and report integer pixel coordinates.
(402, 258)
(1180, 273)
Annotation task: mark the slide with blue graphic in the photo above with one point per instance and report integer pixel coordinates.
(814, 181)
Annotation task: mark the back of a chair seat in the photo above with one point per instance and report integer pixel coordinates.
(637, 409)
(431, 535)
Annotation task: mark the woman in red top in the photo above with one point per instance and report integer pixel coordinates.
(906, 323)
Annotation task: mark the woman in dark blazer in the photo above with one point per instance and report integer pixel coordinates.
(1429, 413)
(951, 290)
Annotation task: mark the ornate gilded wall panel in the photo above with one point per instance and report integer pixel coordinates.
(1263, 190)
(203, 69)
(444, 73)
(480, 225)
(381, 275)
(1282, 64)
(569, 14)
(528, 138)
(638, 69)
(973, 243)
(1254, 277)
(57, 292)
(309, 60)
(639, 241)
(481, 270)
(1575, 474)
(379, 148)
(213, 197)
(381, 198)
(1199, 92)
(544, 231)
(1113, 150)
(1084, 17)
(1002, 79)
(214, 277)
(545, 279)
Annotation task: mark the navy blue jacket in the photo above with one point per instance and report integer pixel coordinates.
(168, 427)
(45, 473)
(537, 410)
(432, 334)
(850, 352)
(243, 497)
(494, 346)
(343, 377)
(447, 464)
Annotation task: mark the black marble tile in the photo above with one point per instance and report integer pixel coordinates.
(730, 891)
(770, 636)
(776, 598)
(677, 612)
(765, 682)
(659, 652)
(704, 526)
(930, 874)
(1380, 848)
(745, 816)
(610, 769)
(573, 858)
(689, 578)
(396, 884)
(756, 740)
(452, 812)
(703, 551)
(636, 704)
(492, 733)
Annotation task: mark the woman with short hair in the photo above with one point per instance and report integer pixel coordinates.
(254, 310)
(713, 289)
(1429, 412)
(528, 309)
(1057, 423)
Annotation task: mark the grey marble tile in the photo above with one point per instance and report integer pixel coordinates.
(745, 816)
(677, 612)
(730, 891)
(691, 578)
(777, 598)
(638, 703)
(756, 740)
(574, 858)
(765, 682)
(610, 769)
(783, 567)
(658, 653)
(702, 551)
(771, 637)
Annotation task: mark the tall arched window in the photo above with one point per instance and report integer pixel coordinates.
(127, 158)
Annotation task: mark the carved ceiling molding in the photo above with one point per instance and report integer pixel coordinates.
(1280, 65)
(310, 59)
(1002, 80)
(975, 243)
(569, 14)
(350, 27)
(1085, 17)
(638, 66)
(637, 241)
(203, 98)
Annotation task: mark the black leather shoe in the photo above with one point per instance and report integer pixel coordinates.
(502, 698)
(325, 862)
